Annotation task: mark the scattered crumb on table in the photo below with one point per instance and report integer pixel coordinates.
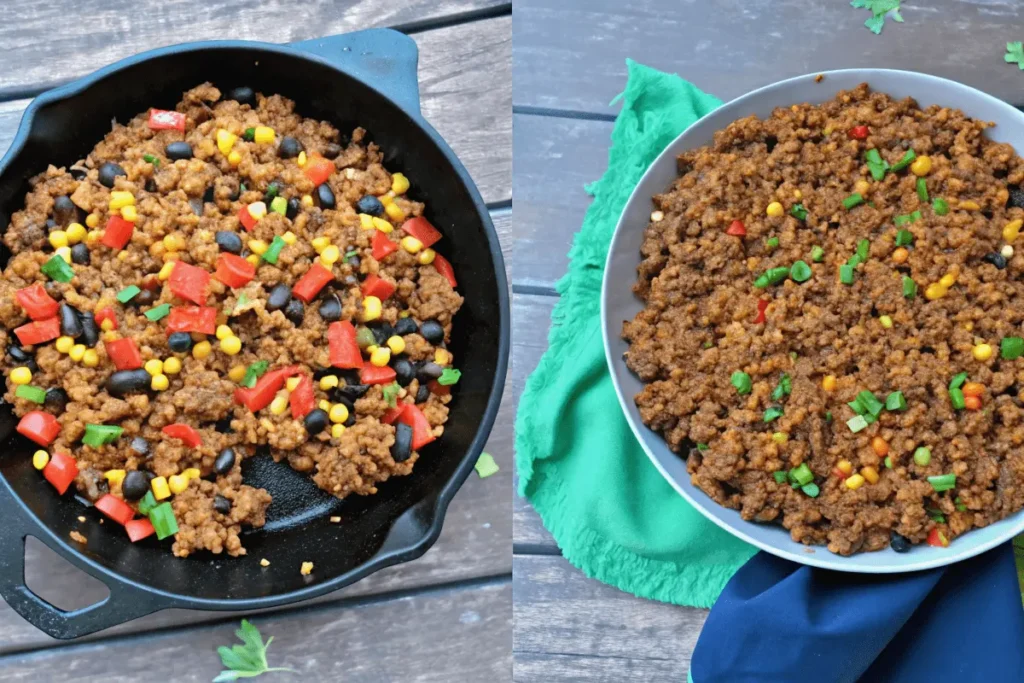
(335, 520)
(264, 562)
(76, 536)
(307, 568)
(81, 518)
(819, 78)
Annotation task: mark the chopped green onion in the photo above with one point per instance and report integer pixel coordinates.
(904, 238)
(895, 401)
(272, 190)
(936, 515)
(249, 135)
(100, 435)
(128, 293)
(902, 219)
(870, 403)
(942, 482)
(31, 393)
(708, 344)
(741, 381)
(448, 377)
(811, 489)
(800, 272)
(351, 253)
(243, 299)
(887, 462)
(922, 456)
(915, 215)
(164, 523)
(956, 399)
(853, 200)
(1011, 348)
(780, 477)
(940, 206)
(959, 504)
(828, 416)
(279, 205)
(958, 380)
(147, 503)
(817, 254)
(702, 447)
(485, 465)
(846, 274)
(793, 355)
(922, 190)
(771, 243)
(58, 269)
(254, 372)
(863, 249)
(909, 287)
(150, 159)
(856, 423)
(905, 161)
(390, 393)
(773, 413)
(857, 407)
(801, 474)
(772, 276)
(274, 250)
(784, 388)
(876, 164)
(854, 260)
(799, 212)
(158, 313)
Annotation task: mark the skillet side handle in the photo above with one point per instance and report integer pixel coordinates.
(124, 603)
(382, 57)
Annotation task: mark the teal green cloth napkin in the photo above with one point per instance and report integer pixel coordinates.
(611, 512)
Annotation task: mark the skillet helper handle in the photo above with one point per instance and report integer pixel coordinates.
(124, 603)
(381, 57)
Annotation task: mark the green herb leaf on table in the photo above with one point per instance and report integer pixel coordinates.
(879, 9)
(1015, 54)
(485, 465)
(246, 660)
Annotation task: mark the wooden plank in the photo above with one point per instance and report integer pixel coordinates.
(570, 628)
(45, 43)
(731, 47)
(446, 635)
(466, 91)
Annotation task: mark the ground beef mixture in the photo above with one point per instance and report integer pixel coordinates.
(832, 322)
(211, 281)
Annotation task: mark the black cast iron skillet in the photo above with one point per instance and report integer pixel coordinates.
(361, 79)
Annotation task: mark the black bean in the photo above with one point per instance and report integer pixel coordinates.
(316, 421)
(351, 419)
(1016, 198)
(382, 332)
(18, 354)
(90, 330)
(996, 259)
(371, 205)
(353, 261)
(196, 204)
(402, 448)
(221, 504)
(135, 485)
(432, 331)
(404, 371)
(295, 312)
(80, 254)
(243, 95)
(70, 320)
(350, 281)
(279, 297)
(50, 224)
(140, 446)
(338, 398)
(143, 298)
(900, 544)
(331, 150)
(78, 173)
(422, 394)
(289, 147)
(178, 150)
(293, 208)
(180, 342)
(150, 476)
(353, 391)
(64, 211)
(108, 172)
(326, 196)
(229, 241)
(225, 461)
(150, 185)
(330, 308)
(429, 370)
(57, 398)
(405, 326)
(208, 194)
(124, 382)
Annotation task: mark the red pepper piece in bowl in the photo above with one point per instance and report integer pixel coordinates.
(445, 268)
(41, 427)
(420, 228)
(382, 246)
(161, 119)
(319, 169)
(38, 332)
(105, 314)
(37, 304)
(124, 352)
(378, 287)
(344, 350)
(371, 374)
(202, 319)
(859, 132)
(310, 284)
(185, 433)
(189, 282)
(60, 471)
(139, 529)
(267, 386)
(301, 399)
(118, 232)
(234, 271)
(737, 229)
(115, 508)
(421, 432)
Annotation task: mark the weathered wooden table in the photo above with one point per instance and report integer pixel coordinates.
(568, 64)
(445, 617)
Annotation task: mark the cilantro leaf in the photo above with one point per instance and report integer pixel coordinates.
(1015, 54)
(253, 373)
(879, 9)
(246, 660)
(449, 376)
(391, 392)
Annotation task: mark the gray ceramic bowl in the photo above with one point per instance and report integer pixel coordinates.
(618, 302)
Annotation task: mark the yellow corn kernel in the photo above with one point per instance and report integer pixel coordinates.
(225, 141)
(935, 291)
(780, 438)
(399, 183)
(76, 233)
(289, 237)
(371, 308)
(160, 382)
(870, 474)
(886, 321)
(411, 244)
(115, 477)
(900, 255)
(403, 314)
(292, 383)
(982, 352)
(21, 376)
(328, 382)
(337, 430)
(160, 488)
(306, 569)
(854, 482)
(92, 220)
(382, 225)
(40, 459)
(58, 239)
(1012, 229)
(120, 199)
(77, 352)
(306, 200)
(64, 344)
(257, 210)
(394, 212)
(154, 366)
(258, 247)
(223, 332)
(1006, 251)
(107, 325)
(192, 472)
(301, 160)
(338, 413)
(442, 357)
(774, 210)
(177, 483)
(264, 135)
(381, 356)
(65, 253)
(165, 271)
(386, 198)
(948, 280)
(426, 257)
(236, 373)
(172, 366)
(110, 335)
(922, 166)
(366, 221)
(969, 205)
(231, 345)
(130, 214)
(845, 466)
(396, 344)
(234, 158)
(91, 359)
(254, 259)
(324, 405)
(861, 187)
(279, 404)
(371, 348)
(320, 243)
(330, 255)
(202, 350)
(94, 236)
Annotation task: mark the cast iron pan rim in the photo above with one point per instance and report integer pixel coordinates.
(440, 506)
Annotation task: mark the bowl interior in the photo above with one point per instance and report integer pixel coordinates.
(619, 304)
(297, 527)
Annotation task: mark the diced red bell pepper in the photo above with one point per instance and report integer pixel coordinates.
(38, 331)
(378, 287)
(160, 119)
(247, 220)
(139, 529)
(189, 282)
(382, 246)
(391, 414)
(420, 228)
(737, 229)
(859, 132)
(124, 352)
(371, 374)
(310, 284)
(439, 389)
(234, 271)
(762, 306)
(839, 473)
(301, 399)
(202, 319)
(937, 538)
(421, 432)
(344, 351)
(319, 169)
(118, 232)
(37, 303)
(60, 471)
(267, 386)
(115, 508)
(105, 314)
(185, 433)
(41, 427)
(445, 268)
